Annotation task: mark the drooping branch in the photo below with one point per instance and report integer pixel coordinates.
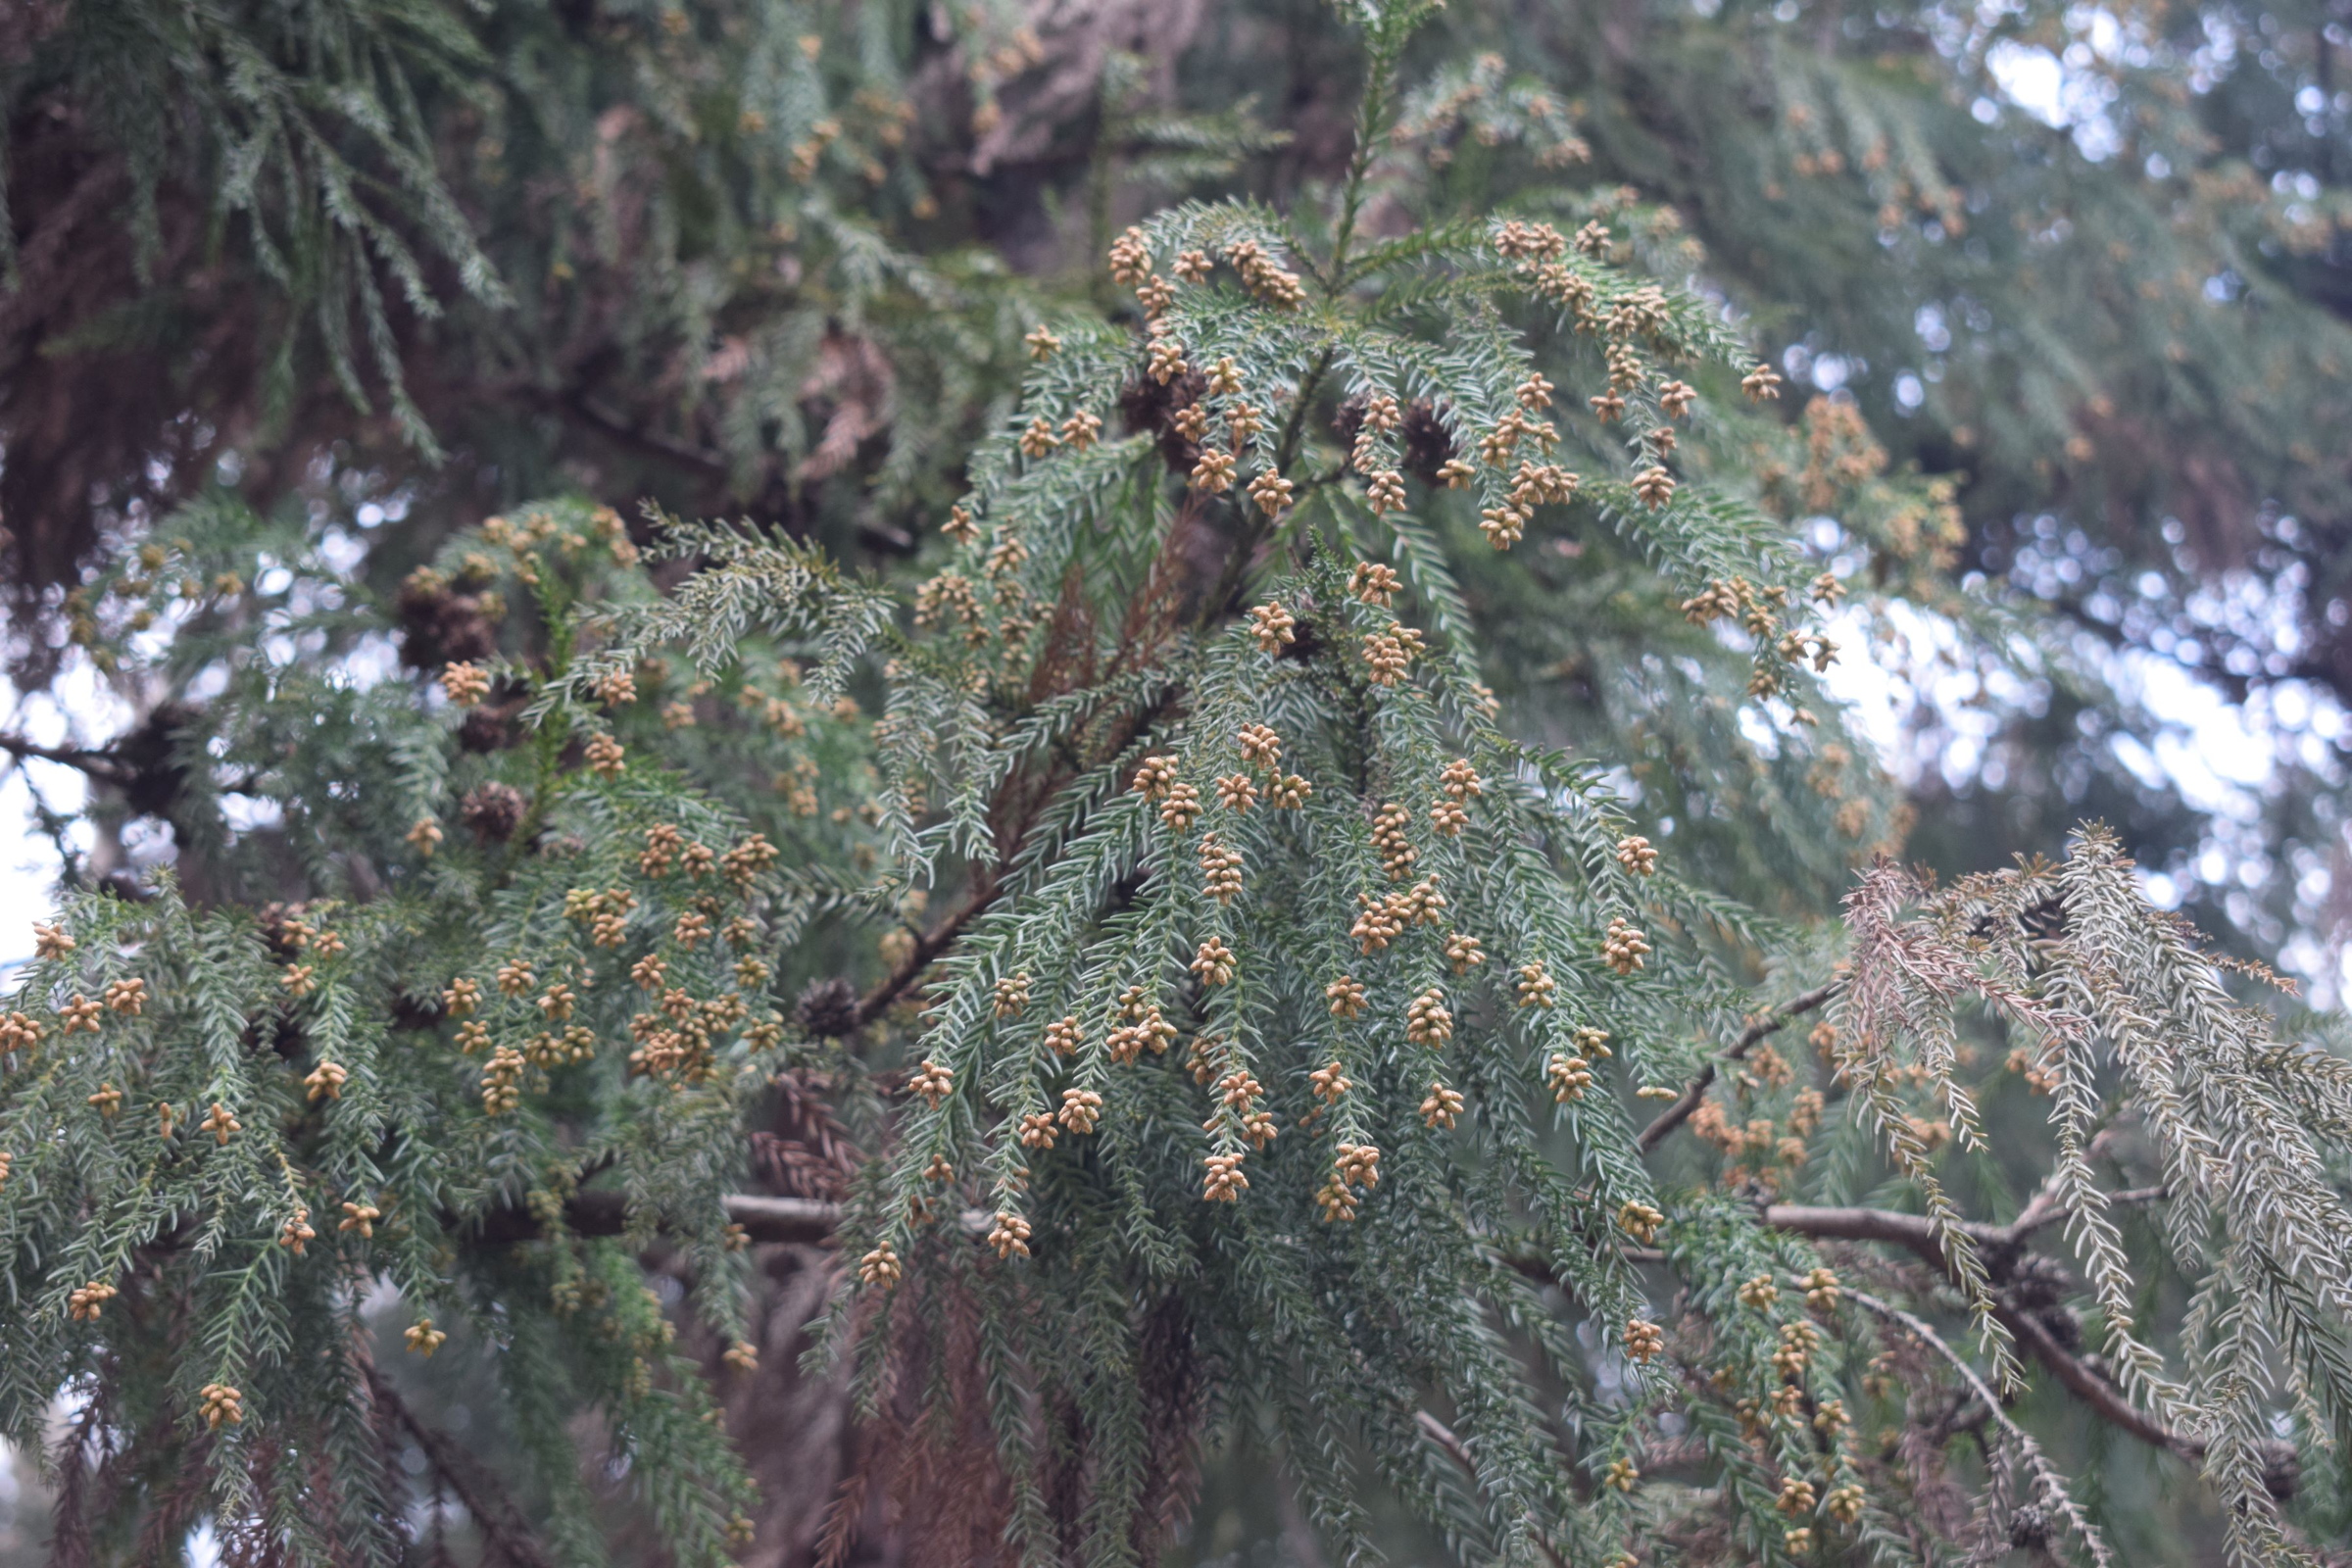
(1444, 1436)
(503, 1530)
(2047, 1479)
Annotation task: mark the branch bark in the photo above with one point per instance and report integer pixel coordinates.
(806, 1221)
(104, 767)
(2094, 1391)
(1917, 1234)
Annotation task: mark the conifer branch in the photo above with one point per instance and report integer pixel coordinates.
(1754, 1035)
(1293, 424)
(1444, 1436)
(1374, 110)
(1999, 1245)
(1229, 927)
(502, 1531)
(2103, 1397)
(1918, 1232)
(99, 764)
(2047, 1481)
(808, 1221)
(803, 1221)
(927, 948)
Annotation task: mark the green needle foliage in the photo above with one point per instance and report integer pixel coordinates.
(773, 261)
(1221, 1010)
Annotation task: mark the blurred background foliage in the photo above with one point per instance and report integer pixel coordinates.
(2060, 290)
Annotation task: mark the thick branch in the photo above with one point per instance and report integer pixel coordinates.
(805, 1221)
(1772, 1022)
(802, 1221)
(104, 767)
(1914, 1231)
(2103, 1396)
(2046, 1209)
(1917, 1233)
(810, 1222)
(580, 407)
(927, 946)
